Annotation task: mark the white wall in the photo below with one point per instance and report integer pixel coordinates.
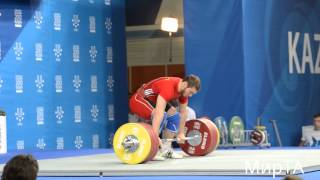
(154, 51)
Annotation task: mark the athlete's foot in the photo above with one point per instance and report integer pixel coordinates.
(171, 154)
(159, 156)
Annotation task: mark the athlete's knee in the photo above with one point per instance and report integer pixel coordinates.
(173, 122)
(163, 122)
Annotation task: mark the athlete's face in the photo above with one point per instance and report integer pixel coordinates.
(189, 91)
(316, 122)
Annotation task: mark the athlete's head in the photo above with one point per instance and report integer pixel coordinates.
(316, 121)
(21, 167)
(190, 85)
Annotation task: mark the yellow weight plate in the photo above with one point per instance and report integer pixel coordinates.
(142, 135)
(217, 133)
(261, 128)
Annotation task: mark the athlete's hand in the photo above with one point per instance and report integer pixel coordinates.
(160, 142)
(181, 138)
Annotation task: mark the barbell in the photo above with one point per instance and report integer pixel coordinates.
(136, 143)
(131, 143)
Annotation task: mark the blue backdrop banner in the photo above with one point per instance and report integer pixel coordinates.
(57, 72)
(256, 59)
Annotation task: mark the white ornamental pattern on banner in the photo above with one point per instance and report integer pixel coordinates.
(108, 25)
(57, 21)
(38, 18)
(107, 2)
(19, 84)
(18, 18)
(1, 82)
(76, 53)
(109, 54)
(94, 83)
(18, 50)
(57, 52)
(77, 114)
(78, 142)
(76, 83)
(19, 114)
(20, 145)
(110, 83)
(94, 112)
(79, 48)
(59, 114)
(40, 115)
(39, 81)
(38, 51)
(92, 24)
(95, 141)
(75, 22)
(60, 143)
(93, 53)
(58, 83)
(110, 139)
(41, 144)
(110, 112)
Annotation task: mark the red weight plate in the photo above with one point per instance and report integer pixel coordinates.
(215, 134)
(257, 137)
(154, 140)
(211, 146)
(200, 147)
(146, 126)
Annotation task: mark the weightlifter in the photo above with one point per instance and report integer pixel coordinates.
(157, 102)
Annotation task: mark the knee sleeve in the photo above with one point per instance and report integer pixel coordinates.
(173, 122)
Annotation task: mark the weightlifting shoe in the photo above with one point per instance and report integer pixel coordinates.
(159, 156)
(171, 154)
